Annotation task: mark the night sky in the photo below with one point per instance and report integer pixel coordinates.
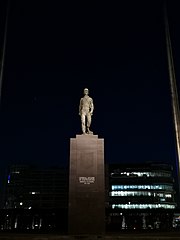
(54, 50)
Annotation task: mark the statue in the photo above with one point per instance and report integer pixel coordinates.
(86, 108)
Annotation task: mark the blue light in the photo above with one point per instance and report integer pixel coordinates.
(9, 178)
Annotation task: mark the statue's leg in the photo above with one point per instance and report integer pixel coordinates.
(83, 123)
(88, 122)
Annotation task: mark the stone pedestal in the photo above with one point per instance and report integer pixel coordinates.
(86, 185)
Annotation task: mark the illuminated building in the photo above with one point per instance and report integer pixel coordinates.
(141, 187)
(138, 191)
(35, 199)
(138, 196)
(32, 187)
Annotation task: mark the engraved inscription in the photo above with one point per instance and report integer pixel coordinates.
(86, 180)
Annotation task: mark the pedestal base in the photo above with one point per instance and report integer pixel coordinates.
(86, 185)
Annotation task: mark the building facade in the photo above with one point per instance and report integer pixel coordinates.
(35, 199)
(31, 187)
(140, 195)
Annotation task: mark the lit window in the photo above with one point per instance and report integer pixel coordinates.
(164, 186)
(168, 195)
(143, 206)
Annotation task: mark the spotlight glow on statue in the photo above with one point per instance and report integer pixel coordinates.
(86, 108)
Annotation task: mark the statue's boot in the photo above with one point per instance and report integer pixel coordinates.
(83, 130)
(89, 132)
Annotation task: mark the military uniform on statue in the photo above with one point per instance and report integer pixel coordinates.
(86, 108)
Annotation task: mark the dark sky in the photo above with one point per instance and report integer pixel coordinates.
(54, 50)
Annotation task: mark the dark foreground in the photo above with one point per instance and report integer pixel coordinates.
(121, 236)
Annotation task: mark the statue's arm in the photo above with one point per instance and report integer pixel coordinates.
(80, 106)
(91, 106)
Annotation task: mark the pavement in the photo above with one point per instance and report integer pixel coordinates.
(120, 236)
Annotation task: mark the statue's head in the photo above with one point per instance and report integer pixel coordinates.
(86, 91)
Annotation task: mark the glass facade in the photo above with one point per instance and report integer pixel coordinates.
(146, 186)
(143, 206)
(153, 186)
(30, 187)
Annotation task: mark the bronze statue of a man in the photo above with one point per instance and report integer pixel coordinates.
(86, 108)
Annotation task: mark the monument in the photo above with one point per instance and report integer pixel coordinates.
(86, 177)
